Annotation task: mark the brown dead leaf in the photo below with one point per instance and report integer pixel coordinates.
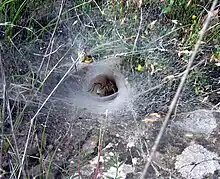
(183, 52)
(152, 69)
(169, 77)
(174, 21)
(205, 99)
(147, 120)
(152, 25)
(140, 4)
(189, 2)
(217, 64)
(153, 117)
(123, 20)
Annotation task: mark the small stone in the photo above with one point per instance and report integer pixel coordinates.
(50, 147)
(195, 162)
(199, 121)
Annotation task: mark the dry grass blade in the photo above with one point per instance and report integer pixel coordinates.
(52, 37)
(3, 107)
(139, 29)
(177, 94)
(13, 134)
(40, 108)
(101, 136)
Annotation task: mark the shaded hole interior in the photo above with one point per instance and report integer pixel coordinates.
(103, 86)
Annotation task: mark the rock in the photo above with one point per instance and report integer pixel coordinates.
(199, 121)
(195, 162)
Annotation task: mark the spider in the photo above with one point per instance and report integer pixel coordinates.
(103, 89)
(88, 59)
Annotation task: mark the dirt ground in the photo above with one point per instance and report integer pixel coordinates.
(76, 136)
(68, 140)
(70, 146)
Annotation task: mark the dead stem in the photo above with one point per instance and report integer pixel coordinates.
(179, 89)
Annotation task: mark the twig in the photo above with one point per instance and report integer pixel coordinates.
(138, 34)
(55, 152)
(3, 107)
(93, 25)
(43, 104)
(52, 37)
(38, 158)
(13, 25)
(99, 155)
(174, 101)
(101, 135)
(49, 57)
(55, 66)
(52, 52)
(13, 134)
(136, 39)
(79, 161)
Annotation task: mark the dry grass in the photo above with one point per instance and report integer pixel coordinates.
(151, 37)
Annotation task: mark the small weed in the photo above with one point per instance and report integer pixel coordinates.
(13, 11)
(114, 30)
(191, 34)
(18, 16)
(203, 80)
(84, 6)
(182, 10)
(213, 34)
(192, 13)
(114, 165)
(217, 53)
(120, 10)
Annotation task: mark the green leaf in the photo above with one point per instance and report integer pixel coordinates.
(139, 67)
(166, 10)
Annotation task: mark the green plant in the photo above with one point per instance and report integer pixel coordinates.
(20, 19)
(12, 10)
(191, 35)
(217, 53)
(114, 164)
(198, 81)
(182, 10)
(213, 34)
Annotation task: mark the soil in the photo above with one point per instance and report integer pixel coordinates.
(74, 136)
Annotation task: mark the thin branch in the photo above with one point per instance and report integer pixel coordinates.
(52, 37)
(40, 108)
(52, 52)
(180, 87)
(13, 25)
(101, 136)
(13, 134)
(138, 34)
(3, 107)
